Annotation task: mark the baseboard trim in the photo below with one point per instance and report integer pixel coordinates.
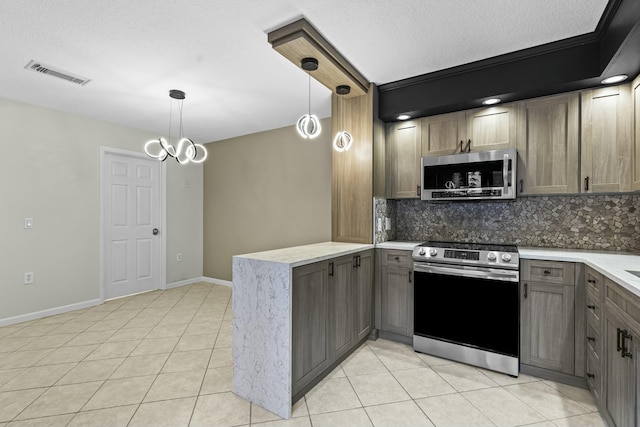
(49, 312)
(217, 281)
(184, 282)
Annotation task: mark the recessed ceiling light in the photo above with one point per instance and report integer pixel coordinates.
(615, 79)
(404, 117)
(491, 101)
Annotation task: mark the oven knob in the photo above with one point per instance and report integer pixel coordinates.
(422, 251)
(506, 257)
(492, 257)
(433, 252)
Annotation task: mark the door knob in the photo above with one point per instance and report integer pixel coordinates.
(155, 231)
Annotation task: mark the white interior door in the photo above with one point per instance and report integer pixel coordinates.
(131, 219)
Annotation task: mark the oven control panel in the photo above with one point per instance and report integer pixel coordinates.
(488, 255)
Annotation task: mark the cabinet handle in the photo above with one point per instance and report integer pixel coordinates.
(359, 259)
(468, 150)
(625, 349)
(546, 272)
(418, 191)
(592, 281)
(397, 258)
(618, 339)
(526, 285)
(354, 262)
(590, 375)
(592, 307)
(586, 183)
(461, 144)
(522, 185)
(330, 269)
(410, 276)
(591, 339)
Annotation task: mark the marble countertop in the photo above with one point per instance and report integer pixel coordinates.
(307, 254)
(613, 265)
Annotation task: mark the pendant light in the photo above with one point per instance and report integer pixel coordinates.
(308, 125)
(185, 151)
(343, 139)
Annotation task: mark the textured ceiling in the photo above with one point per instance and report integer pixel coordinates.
(217, 52)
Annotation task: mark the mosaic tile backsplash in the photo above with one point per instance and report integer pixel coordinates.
(593, 222)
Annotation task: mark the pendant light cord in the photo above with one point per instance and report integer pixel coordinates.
(309, 97)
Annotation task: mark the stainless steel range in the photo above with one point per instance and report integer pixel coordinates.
(466, 303)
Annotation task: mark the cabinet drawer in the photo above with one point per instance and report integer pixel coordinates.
(552, 272)
(624, 302)
(593, 281)
(594, 309)
(391, 257)
(594, 341)
(594, 375)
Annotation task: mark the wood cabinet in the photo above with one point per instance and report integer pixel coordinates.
(396, 283)
(594, 332)
(310, 321)
(606, 139)
(549, 130)
(487, 128)
(352, 171)
(621, 352)
(548, 321)
(635, 87)
(403, 157)
(332, 313)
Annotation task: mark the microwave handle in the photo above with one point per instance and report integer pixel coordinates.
(505, 174)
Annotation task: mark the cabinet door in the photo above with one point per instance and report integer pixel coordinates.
(619, 395)
(606, 139)
(310, 319)
(403, 150)
(342, 297)
(636, 137)
(352, 172)
(492, 128)
(364, 295)
(547, 327)
(441, 134)
(548, 145)
(397, 300)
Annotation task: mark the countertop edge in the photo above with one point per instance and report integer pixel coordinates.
(296, 256)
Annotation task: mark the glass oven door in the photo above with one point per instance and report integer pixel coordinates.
(479, 312)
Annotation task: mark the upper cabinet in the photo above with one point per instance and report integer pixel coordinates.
(480, 129)
(635, 87)
(606, 139)
(548, 145)
(403, 157)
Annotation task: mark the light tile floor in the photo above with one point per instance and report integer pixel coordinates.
(163, 358)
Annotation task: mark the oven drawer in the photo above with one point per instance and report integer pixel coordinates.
(552, 272)
(399, 258)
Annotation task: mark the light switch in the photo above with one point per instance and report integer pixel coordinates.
(28, 223)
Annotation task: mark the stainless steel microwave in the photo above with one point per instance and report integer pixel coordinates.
(482, 175)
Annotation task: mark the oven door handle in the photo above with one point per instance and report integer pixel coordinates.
(463, 271)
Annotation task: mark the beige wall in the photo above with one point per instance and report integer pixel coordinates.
(51, 172)
(265, 191)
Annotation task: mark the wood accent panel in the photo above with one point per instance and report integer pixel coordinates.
(300, 40)
(606, 139)
(635, 86)
(548, 145)
(352, 171)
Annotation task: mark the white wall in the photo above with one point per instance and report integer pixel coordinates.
(50, 171)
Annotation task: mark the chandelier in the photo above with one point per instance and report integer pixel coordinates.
(185, 150)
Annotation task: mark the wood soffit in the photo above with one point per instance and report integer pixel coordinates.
(300, 40)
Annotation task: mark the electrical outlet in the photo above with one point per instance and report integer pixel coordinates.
(28, 223)
(179, 257)
(28, 278)
(379, 224)
(387, 224)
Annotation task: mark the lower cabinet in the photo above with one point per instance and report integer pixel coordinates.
(396, 285)
(548, 320)
(332, 312)
(621, 353)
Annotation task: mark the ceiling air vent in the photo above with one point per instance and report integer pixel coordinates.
(56, 72)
